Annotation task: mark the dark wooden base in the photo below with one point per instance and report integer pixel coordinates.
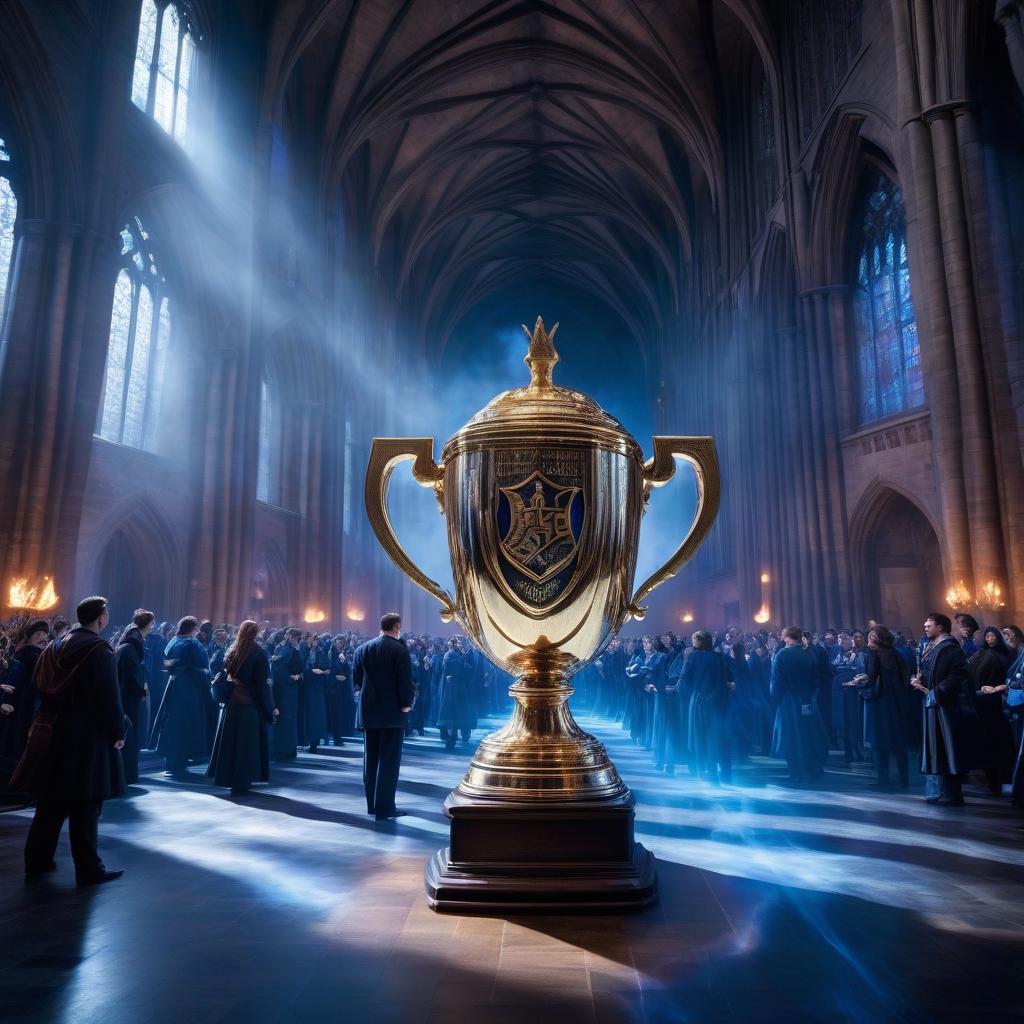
(530, 856)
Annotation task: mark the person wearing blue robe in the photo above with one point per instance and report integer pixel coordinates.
(664, 728)
(708, 679)
(340, 698)
(950, 724)
(881, 687)
(314, 687)
(455, 702)
(130, 659)
(822, 682)
(217, 649)
(799, 736)
(417, 718)
(911, 698)
(437, 653)
(642, 691)
(286, 672)
(181, 732)
(1013, 687)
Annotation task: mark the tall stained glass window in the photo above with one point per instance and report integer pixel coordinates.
(263, 457)
(883, 310)
(140, 332)
(8, 215)
(164, 63)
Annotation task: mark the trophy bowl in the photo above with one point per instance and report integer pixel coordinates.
(543, 493)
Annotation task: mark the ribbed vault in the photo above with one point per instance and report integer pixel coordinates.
(482, 145)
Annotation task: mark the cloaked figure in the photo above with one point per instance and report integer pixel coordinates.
(241, 754)
(455, 705)
(131, 678)
(286, 672)
(799, 736)
(18, 696)
(314, 686)
(181, 732)
(707, 677)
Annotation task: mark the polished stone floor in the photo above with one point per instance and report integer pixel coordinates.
(777, 904)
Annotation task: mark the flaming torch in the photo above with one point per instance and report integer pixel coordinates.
(37, 597)
(314, 614)
(959, 597)
(355, 614)
(763, 613)
(991, 596)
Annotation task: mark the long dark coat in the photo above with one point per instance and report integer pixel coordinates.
(131, 679)
(287, 662)
(241, 752)
(382, 677)
(988, 667)
(455, 706)
(799, 737)
(706, 675)
(315, 694)
(77, 682)
(341, 699)
(950, 729)
(181, 731)
(884, 699)
(14, 727)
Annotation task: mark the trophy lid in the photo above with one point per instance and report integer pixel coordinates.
(542, 412)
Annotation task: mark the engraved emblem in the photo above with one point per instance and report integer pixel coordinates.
(541, 525)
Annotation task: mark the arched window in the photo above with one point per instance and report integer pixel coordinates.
(164, 65)
(140, 329)
(8, 215)
(884, 319)
(269, 464)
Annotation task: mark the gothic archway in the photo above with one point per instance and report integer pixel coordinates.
(897, 558)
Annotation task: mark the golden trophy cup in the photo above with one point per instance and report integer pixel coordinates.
(543, 493)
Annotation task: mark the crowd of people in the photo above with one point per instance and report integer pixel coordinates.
(954, 698)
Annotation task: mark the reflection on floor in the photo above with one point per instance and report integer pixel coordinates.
(776, 905)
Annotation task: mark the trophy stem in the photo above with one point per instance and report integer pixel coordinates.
(542, 753)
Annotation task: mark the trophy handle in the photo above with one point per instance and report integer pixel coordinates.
(386, 454)
(700, 453)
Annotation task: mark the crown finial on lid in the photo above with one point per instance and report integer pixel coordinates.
(542, 356)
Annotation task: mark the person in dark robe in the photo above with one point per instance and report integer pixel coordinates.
(745, 706)
(988, 667)
(160, 676)
(241, 752)
(217, 649)
(19, 695)
(822, 680)
(455, 702)
(181, 732)
(847, 706)
(1013, 695)
(799, 737)
(707, 677)
(382, 678)
(314, 684)
(646, 663)
(881, 687)
(286, 673)
(950, 725)
(73, 759)
(339, 689)
(130, 658)
(966, 628)
(60, 627)
(664, 726)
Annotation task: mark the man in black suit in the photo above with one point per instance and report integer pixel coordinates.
(382, 680)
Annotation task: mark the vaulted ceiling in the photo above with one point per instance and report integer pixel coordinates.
(480, 145)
